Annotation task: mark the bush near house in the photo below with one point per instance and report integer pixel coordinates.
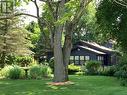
(73, 69)
(107, 70)
(121, 72)
(92, 67)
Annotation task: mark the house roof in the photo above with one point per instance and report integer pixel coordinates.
(95, 46)
(93, 50)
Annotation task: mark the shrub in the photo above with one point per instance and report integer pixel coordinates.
(10, 59)
(24, 60)
(12, 72)
(107, 71)
(122, 68)
(72, 69)
(79, 73)
(38, 72)
(92, 67)
(5, 71)
(121, 72)
(123, 82)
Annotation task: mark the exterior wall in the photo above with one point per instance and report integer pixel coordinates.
(83, 52)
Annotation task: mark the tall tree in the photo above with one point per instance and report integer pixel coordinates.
(112, 20)
(86, 28)
(64, 16)
(13, 38)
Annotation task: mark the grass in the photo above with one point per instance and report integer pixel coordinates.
(84, 85)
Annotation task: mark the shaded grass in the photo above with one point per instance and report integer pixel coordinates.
(84, 85)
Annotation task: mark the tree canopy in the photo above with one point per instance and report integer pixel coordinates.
(112, 20)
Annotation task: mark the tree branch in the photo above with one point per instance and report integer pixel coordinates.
(78, 15)
(14, 15)
(124, 4)
(37, 8)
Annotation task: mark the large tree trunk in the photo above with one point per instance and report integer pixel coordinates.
(59, 68)
(59, 71)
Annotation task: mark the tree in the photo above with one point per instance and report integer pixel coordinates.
(111, 18)
(86, 28)
(13, 38)
(63, 17)
(40, 47)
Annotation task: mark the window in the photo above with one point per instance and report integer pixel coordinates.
(100, 58)
(76, 57)
(71, 57)
(87, 57)
(81, 57)
(77, 60)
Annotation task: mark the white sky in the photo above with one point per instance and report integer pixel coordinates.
(31, 9)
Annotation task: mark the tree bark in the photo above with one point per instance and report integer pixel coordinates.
(67, 47)
(59, 68)
(59, 72)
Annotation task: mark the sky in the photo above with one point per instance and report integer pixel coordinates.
(31, 9)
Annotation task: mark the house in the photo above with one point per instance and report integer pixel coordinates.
(83, 51)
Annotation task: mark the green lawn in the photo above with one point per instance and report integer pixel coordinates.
(84, 85)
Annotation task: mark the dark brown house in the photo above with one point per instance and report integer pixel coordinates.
(83, 51)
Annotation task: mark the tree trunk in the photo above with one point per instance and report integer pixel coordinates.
(66, 55)
(67, 48)
(59, 71)
(59, 67)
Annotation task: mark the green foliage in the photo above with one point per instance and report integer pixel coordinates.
(86, 27)
(24, 60)
(123, 82)
(111, 18)
(14, 40)
(38, 72)
(79, 73)
(121, 70)
(72, 69)
(5, 71)
(122, 67)
(92, 67)
(12, 72)
(34, 29)
(108, 70)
